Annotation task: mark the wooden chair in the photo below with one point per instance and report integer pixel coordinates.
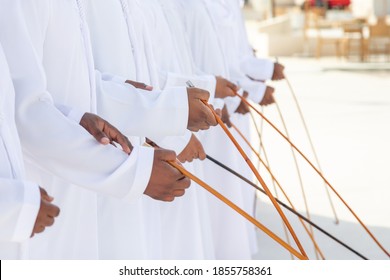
(354, 36)
(378, 41)
(325, 32)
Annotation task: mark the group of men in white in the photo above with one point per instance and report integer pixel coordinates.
(84, 84)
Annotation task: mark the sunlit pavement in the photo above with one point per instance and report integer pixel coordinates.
(347, 109)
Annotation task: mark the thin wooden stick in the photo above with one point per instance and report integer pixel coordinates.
(263, 148)
(220, 164)
(273, 181)
(296, 167)
(238, 210)
(319, 173)
(309, 232)
(259, 178)
(311, 145)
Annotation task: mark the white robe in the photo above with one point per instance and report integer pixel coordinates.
(185, 223)
(211, 54)
(47, 70)
(257, 68)
(121, 45)
(19, 199)
(124, 229)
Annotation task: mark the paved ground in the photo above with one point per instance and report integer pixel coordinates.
(347, 109)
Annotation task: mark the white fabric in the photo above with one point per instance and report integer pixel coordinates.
(257, 68)
(171, 47)
(229, 28)
(44, 69)
(186, 231)
(19, 199)
(124, 228)
(233, 236)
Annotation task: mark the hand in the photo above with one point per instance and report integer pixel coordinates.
(139, 85)
(268, 98)
(200, 116)
(166, 182)
(218, 112)
(278, 72)
(46, 214)
(226, 117)
(243, 108)
(193, 150)
(104, 132)
(225, 88)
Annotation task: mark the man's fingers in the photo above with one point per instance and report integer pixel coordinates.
(190, 159)
(178, 193)
(202, 154)
(210, 118)
(115, 135)
(38, 229)
(181, 158)
(124, 142)
(165, 155)
(183, 183)
(99, 135)
(200, 94)
(168, 198)
(49, 221)
(53, 211)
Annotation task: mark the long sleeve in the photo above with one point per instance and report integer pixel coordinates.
(174, 143)
(205, 82)
(19, 205)
(256, 90)
(142, 113)
(257, 68)
(51, 140)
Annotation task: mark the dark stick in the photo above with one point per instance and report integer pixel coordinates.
(285, 206)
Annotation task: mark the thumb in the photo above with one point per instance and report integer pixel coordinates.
(166, 155)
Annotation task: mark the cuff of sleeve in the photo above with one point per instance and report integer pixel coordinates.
(269, 69)
(257, 68)
(211, 87)
(28, 212)
(113, 78)
(145, 157)
(75, 115)
(205, 82)
(176, 144)
(180, 97)
(256, 90)
(70, 113)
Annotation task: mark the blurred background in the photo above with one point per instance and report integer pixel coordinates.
(337, 59)
(349, 29)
